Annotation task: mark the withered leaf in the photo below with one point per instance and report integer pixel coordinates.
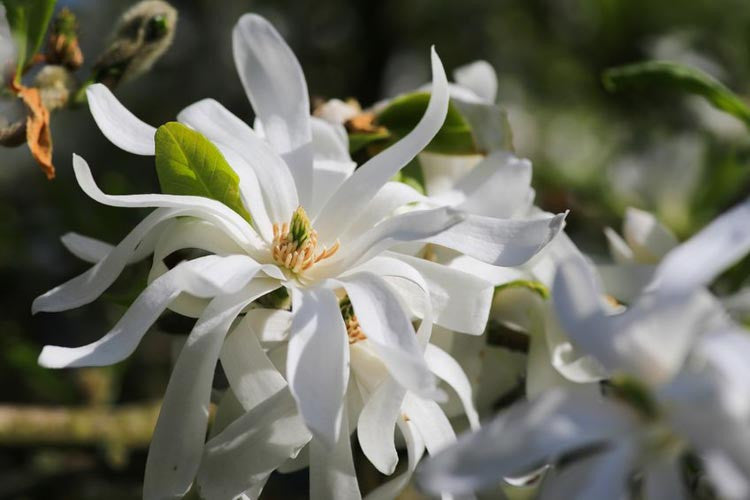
(37, 128)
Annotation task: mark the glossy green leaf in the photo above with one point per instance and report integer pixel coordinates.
(403, 114)
(28, 20)
(676, 76)
(189, 164)
(358, 141)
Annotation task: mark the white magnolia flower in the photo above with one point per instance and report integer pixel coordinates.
(240, 457)
(671, 353)
(317, 230)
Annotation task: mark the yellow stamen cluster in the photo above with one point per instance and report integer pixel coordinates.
(295, 244)
(353, 329)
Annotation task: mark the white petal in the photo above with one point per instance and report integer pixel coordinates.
(663, 479)
(699, 260)
(85, 248)
(270, 325)
(389, 330)
(328, 177)
(460, 301)
(251, 448)
(430, 422)
(223, 128)
(250, 373)
(277, 90)
(330, 141)
(407, 227)
(86, 287)
(377, 423)
(198, 206)
(618, 248)
(603, 475)
(318, 361)
(175, 450)
(500, 242)
(415, 450)
(480, 78)
(332, 474)
(528, 435)
(357, 191)
(391, 197)
(441, 172)
(447, 368)
(119, 125)
(499, 186)
(625, 282)
(189, 233)
(647, 237)
(204, 277)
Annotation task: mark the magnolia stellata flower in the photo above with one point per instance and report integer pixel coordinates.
(312, 233)
(671, 352)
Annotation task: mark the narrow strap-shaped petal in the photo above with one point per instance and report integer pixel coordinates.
(528, 435)
(318, 361)
(330, 141)
(86, 287)
(415, 450)
(119, 125)
(480, 78)
(203, 277)
(389, 330)
(447, 368)
(391, 197)
(355, 194)
(205, 208)
(500, 242)
(376, 425)
(176, 447)
(190, 233)
(332, 474)
(329, 176)
(699, 260)
(242, 456)
(499, 186)
(276, 86)
(222, 127)
(251, 375)
(648, 239)
(460, 301)
(86, 248)
(412, 226)
(430, 421)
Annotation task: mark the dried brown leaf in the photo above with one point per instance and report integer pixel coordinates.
(37, 128)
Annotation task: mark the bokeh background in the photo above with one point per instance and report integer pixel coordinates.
(593, 152)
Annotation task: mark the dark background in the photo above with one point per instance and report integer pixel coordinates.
(593, 152)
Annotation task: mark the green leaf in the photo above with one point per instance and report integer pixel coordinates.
(676, 76)
(28, 20)
(189, 164)
(534, 286)
(358, 141)
(403, 114)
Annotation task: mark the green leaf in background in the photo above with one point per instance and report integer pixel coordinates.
(358, 140)
(533, 286)
(404, 112)
(673, 75)
(28, 21)
(189, 164)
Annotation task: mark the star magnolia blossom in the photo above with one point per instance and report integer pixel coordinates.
(674, 362)
(312, 233)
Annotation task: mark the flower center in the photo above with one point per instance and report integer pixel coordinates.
(353, 330)
(295, 244)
